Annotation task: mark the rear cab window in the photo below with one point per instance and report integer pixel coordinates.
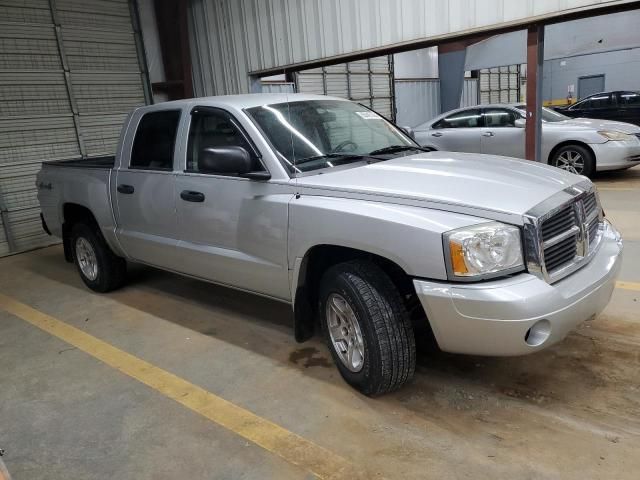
(155, 140)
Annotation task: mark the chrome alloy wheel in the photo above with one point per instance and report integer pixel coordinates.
(571, 161)
(345, 332)
(87, 258)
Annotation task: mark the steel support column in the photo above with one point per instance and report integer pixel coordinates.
(535, 59)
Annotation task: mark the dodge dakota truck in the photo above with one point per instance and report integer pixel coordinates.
(323, 204)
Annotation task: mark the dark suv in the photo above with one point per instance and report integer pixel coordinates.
(622, 106)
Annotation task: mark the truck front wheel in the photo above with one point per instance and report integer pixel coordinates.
(367, 327)
(100, 269)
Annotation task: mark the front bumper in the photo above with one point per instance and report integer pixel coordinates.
(616, 155)
(494, 318)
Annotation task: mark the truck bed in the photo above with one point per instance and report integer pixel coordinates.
(94, 162)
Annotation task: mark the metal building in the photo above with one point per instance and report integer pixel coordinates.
(70, 71)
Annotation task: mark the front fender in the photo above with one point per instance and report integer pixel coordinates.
(408, 236)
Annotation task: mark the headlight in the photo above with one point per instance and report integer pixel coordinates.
(615, 135)
(488, 249)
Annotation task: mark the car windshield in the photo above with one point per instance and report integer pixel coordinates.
(317, 134)
(548, 115)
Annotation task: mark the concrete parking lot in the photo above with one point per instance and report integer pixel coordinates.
(174, 378)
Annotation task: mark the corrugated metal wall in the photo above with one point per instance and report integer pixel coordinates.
(69, 73)
(231, 38)
(418, 100)
(369, 82)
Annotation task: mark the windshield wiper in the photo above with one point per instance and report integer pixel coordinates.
(342, 156)
(398, 148)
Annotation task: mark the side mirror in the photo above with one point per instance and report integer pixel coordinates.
(409, 131)
(224, 160)
(520, 123)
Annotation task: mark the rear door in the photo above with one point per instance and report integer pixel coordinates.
(233, 230)
(458, 132)
(145, 190)
(500, 136)
(629, 107)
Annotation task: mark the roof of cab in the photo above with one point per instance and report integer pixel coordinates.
(244, 101)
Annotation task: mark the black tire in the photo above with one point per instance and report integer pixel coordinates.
(387, 334)
(111, 269)
(589, 162)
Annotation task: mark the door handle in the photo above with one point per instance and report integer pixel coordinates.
(126, 189)
(487, 134)
(190, 196)
(437, 134)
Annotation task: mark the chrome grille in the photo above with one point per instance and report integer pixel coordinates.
(590, 204)
(560, 238)
(558, 223)
(563, 234)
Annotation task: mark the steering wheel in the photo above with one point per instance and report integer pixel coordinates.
(342, 145)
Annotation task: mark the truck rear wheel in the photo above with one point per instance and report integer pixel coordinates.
(367, 327)
(100, 269)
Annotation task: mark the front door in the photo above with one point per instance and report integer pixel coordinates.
(500, 136)
(144, 191)
(233, 230)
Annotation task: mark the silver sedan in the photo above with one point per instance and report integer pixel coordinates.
(579, 145)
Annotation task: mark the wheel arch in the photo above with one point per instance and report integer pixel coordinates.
(566, 143)
(317, 260)
(73, 213)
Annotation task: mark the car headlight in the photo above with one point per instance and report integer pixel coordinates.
(615, 135)
(484, 250)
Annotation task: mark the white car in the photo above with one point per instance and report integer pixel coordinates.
(579, 145)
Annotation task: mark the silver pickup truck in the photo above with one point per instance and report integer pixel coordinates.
(323, 204)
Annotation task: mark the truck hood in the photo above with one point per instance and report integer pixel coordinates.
(479, 183)
(595, 124)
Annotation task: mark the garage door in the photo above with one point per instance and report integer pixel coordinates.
(369, 82)
(69, 73)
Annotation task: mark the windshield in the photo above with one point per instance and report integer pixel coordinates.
(315, 134)
(548, 115)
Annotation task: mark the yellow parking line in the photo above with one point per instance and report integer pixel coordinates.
(628, 286)
(293, 448)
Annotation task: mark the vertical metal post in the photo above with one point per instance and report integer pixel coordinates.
(348, 66)
(370, 82)
(324, 80)
(67, 76)
(140, 51)
(535, 59)
(392, 87)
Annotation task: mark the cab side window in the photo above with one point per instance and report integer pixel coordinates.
(465, 119)
(499, 117)
(215, 128)
(596, 101)
(629, 99)
(155, 140)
